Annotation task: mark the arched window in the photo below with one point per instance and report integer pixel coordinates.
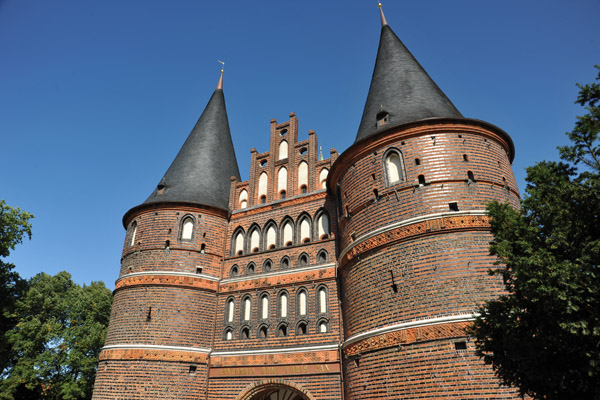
(288, 234)
(283, 305)
(322, 257)
(323, 226)
(282, 329)
(322, 296)
(305, 230)
(302, 302)
(323, 326)
(271, 237)
(394, 167)
(323, 178)
(133, 233)
(282, 180)
(243, 199)
(245, 333)
(263, 332)
(302, 328)
(228, 334)
(303, 260)
(255, 241)
(264, 306)
(285, 262)
(267, 266)
(187, 228)
(235, 271)
(239, 243)
(283, 150)
(250, 268)
(302, 175)
(230, 310)
(246, 308)
(263, 182)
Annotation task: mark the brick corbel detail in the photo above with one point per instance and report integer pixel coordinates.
(428, 227)
(407, 336)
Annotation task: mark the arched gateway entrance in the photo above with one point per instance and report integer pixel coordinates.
(274, 390)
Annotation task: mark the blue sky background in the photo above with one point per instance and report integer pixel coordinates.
(96, 98)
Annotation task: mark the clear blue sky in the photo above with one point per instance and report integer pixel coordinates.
(96, 97)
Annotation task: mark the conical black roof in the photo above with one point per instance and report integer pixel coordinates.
(203, 167)
(401, 88)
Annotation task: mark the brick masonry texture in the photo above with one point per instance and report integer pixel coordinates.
(391, 255)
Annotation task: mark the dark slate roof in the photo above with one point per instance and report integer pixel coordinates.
(203, 167)
(401, 87)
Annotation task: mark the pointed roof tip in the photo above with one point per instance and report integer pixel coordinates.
(401, 91)
(383, 20)
(220, 83)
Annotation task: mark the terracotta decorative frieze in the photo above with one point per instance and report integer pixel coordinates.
(279, 280)
(407, 336)
(168, 280)
(432, 226)
(285, 203)
(154, 355)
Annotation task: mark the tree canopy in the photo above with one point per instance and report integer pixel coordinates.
(543, 335)
(55, 344)
(14, 227)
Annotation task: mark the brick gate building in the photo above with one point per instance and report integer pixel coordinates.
(352, 276)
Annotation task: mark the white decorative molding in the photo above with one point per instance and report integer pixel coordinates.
(156, 347)
(407, 222)
(411, 324)
(169, 273)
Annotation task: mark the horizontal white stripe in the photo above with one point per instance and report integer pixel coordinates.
(170, 273)
(408, 222)
(156, 347)
(411, 324)
(274, 351)
(277, 273)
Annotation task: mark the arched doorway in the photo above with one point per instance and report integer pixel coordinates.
(274, 390)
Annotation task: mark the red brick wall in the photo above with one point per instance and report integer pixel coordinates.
(419, 269)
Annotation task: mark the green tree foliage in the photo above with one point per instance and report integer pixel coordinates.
(543, 336)
(55, 344)
(14, 226)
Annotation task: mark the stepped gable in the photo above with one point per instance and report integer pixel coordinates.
(400, 88)
(201, 171)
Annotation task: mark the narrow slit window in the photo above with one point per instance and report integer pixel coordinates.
(133, 233)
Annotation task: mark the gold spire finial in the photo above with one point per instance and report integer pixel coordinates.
(220, 83)
(383, 21)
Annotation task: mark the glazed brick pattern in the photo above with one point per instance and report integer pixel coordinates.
(430, 370)
(435, 275)
(313, 316)
(141, 379)
(178, 317)
(155, 227)
(445, 172)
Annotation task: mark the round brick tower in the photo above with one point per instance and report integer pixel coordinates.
(162, 322)
(413, 236)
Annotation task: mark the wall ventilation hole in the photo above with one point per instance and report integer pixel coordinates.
(458, 346)
(465, 157)
(421, 180)
(303, 151)
(283, 132)
(459, 136)
(198, 270)
(203, 248)
(192, 369)
(263, 163)
(167, 244)
(417, 161)
(471, 176)
(453, 206)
